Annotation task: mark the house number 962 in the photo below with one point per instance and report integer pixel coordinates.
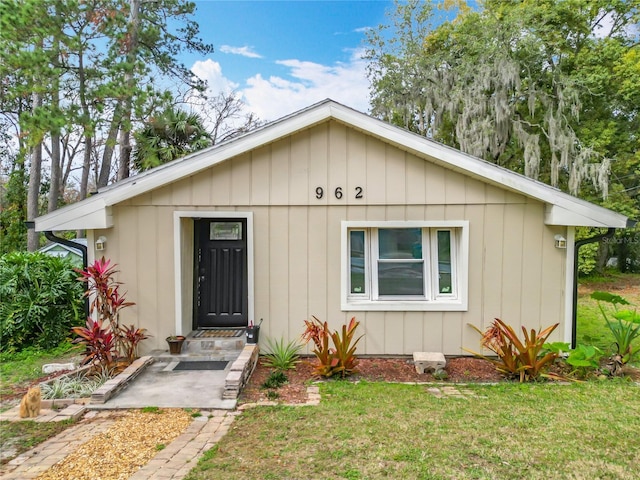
(338, 193)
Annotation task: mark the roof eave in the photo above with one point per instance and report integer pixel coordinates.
(85, 215)
(596, 217)
(562, 209)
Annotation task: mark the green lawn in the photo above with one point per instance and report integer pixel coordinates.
(591, 327)
(375, 430)
(20, 368)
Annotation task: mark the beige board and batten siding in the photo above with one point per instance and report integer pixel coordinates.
(515, 272)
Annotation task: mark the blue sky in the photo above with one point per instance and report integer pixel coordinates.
(282, 56)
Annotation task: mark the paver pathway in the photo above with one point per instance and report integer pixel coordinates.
(174, 462)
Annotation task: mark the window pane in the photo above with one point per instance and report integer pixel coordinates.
(225, 231)
(445, 284)
(356, 253)
(400, 278)
(400, 243)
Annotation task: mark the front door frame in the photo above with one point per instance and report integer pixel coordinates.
(183, 262)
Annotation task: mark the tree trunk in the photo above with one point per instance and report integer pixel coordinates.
(54, 187)
(107, 154)
(34, 184)
(603, 256)
(125, 150)
(86, 166)
(125, 126)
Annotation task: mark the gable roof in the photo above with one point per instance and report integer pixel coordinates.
(562, 209)
(64, 250)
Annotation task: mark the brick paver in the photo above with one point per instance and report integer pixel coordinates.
(172, 463)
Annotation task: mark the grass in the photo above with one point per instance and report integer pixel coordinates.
(591, 327)
(26, 366)
(20, 369)
(375, 430)
(18, 437)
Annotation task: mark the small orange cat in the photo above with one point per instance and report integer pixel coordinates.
(30, 403)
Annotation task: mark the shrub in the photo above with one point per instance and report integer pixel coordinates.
(624, 324)
(275, 379)
(74, 386)
(99, 342)
(131, 338)
(106, 303)
(524, 360)
(41, 301)
(584, 359)
(339, 359)
(281, 356)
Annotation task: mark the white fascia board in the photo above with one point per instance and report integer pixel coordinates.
(90, 213)
(557, 215)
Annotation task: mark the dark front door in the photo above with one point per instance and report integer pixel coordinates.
(221, 291)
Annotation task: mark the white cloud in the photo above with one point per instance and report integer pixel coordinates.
(307, 83)
(243, 51)
(273, 97)
(212, 72)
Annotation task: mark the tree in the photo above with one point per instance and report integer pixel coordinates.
(224, 116)
(521, 84)
(167, 136)
(77, 76)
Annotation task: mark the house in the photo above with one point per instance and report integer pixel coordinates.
(74, 255)
(332, 213)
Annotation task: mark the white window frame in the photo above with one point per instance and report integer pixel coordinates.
(432, 300)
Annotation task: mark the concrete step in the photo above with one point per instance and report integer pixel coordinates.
(213, 345)
(165, 356)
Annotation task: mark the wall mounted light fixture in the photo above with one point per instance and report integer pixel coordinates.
(101, 242)
(561, 242)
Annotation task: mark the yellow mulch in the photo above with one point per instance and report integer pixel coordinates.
(125, 447)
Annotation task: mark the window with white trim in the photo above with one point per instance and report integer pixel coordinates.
(405, 265)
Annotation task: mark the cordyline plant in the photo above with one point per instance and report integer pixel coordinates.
(106, 302)
(625, 326)
(339, 359)
(524, 360)
(99, 342)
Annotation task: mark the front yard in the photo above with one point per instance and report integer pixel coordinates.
(375, 430)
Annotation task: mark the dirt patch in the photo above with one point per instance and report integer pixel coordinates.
(459, 370)
(627, 286)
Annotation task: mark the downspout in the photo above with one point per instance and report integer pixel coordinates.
(85, 262)
(578, 244)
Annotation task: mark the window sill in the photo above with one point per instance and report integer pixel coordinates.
(404, 306)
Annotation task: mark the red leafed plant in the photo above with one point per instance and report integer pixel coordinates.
(517, 358)
(106, 303)
(339, 359)
(102, 289)
(132, 337)
(99, 342)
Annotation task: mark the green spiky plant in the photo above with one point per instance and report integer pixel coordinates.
(280, 355)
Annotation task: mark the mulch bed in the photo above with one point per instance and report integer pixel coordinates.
(373, 369)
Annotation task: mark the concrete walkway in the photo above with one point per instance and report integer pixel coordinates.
(174, 462)
(159, 385)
